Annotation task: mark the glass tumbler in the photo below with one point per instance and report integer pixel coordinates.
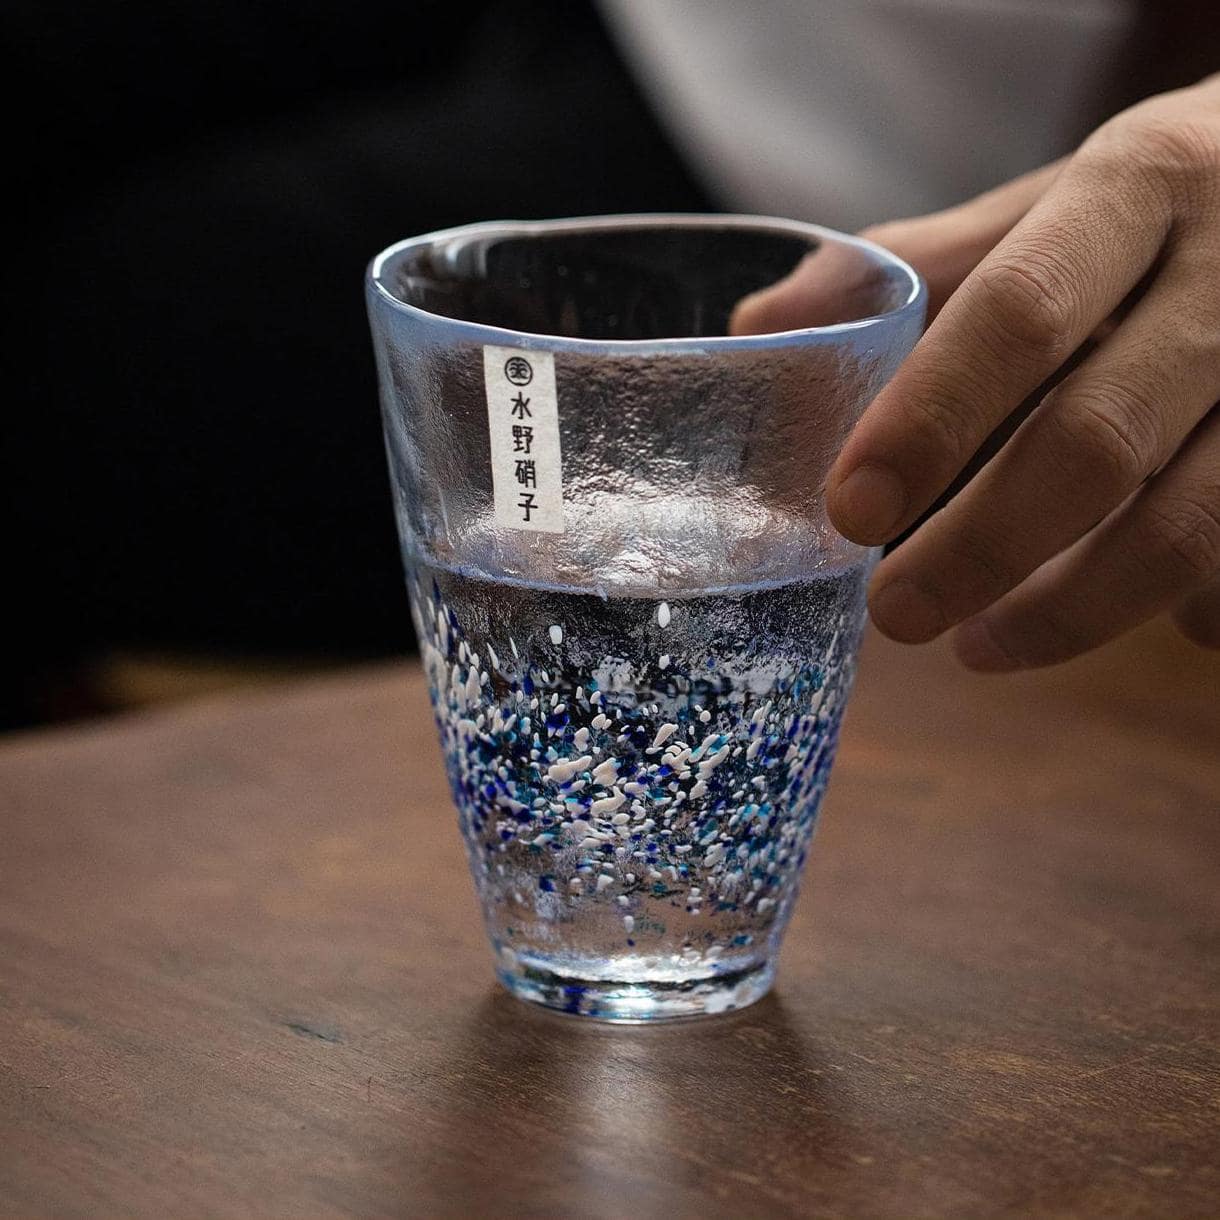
(638, 625)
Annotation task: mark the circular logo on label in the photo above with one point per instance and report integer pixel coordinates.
(518, 370)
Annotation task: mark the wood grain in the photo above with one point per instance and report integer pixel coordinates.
(241, 973)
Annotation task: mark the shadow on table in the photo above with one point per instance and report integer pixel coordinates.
(544, 1114)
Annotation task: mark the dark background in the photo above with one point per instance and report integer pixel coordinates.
(193, 459)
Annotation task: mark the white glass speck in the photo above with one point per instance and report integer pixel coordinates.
(638, 625)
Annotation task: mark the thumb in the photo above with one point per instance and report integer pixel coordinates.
(944, 247)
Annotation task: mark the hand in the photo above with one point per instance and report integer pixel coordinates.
(1103, 509)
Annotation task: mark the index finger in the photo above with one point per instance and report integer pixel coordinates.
(1028, 305)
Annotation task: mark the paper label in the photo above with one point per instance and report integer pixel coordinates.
(523, 423)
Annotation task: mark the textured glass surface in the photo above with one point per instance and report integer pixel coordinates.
(638, 713)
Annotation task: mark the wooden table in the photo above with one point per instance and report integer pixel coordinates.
(241, 973)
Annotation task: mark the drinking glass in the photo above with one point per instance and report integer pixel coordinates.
(638, 625)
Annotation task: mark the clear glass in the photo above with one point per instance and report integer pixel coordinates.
(638, 706)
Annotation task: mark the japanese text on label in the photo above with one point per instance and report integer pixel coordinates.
(523, 424)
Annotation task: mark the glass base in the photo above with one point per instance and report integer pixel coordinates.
(635, 1003)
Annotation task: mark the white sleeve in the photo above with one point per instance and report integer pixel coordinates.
(846, 112)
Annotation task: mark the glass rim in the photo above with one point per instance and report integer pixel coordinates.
(913, 303)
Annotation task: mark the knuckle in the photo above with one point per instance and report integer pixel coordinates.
(1107, 434)
(1029, 305)
(1176, 146)
(1157, 158)
(1179, 157)
(945, 429)
(983, 564)
(1186, 530)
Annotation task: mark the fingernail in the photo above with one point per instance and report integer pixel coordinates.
(868, 506)
(906, 612)
(976, 648)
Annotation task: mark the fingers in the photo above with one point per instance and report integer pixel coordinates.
(1198, 616)
(943, 247)
(1095, 438)
(946, 246)
(1161, 547)
(1029, 304)
(834, 283)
